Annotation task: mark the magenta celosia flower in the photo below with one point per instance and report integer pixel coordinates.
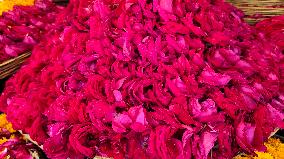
(149, 79)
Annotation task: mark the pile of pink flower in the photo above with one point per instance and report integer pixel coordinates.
(149, 79)
(273, 28)
(24, 26)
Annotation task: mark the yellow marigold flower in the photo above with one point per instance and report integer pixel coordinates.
(263, 155)
(275, 150)
(6, 5)
(3, 140)
(5, 125)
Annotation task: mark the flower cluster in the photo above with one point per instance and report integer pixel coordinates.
(24, 26)
(5, 126)
(273, 29)
(149, 79)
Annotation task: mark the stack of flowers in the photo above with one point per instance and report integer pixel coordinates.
(149, 79)
(24, 26)
(273, 28)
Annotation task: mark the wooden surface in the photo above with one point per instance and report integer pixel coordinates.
(256, 10)
(9, 67)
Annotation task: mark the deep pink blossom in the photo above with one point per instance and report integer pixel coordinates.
(149, 79)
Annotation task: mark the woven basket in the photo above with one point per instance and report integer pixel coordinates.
(256, 10)
(252, 9)
(9, 67)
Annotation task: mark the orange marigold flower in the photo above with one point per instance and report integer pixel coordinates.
(6, 5)
(275, 150)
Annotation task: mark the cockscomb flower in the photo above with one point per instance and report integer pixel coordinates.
(24, 26)
(149, 79)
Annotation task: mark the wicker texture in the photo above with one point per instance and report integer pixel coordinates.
(256, 10)
(9, 67)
